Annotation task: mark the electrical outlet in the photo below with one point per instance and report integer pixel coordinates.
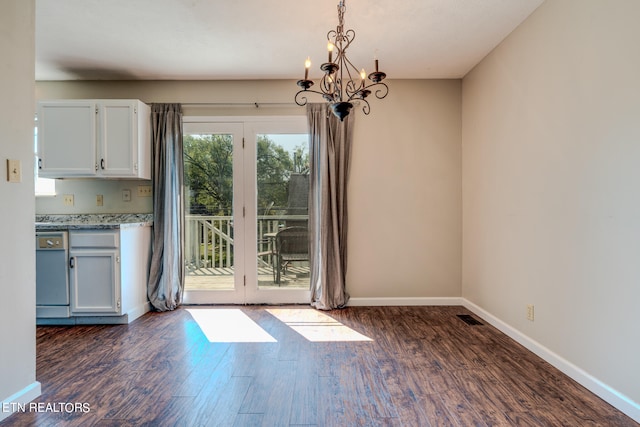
(14, 170)
(530, 312)
(68, 199)
(99, 200)
(126, 195)
(144, 191)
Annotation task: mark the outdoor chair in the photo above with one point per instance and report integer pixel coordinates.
(291, 244)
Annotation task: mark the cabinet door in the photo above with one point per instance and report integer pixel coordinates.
(95, 281)
(66, 138)
(118, 130)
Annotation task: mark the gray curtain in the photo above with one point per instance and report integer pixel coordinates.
(166, 277)
(329, 157)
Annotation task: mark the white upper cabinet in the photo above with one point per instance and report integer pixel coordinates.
(66, 139)
(94, 138)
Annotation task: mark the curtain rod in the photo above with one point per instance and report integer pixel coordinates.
(239, 104)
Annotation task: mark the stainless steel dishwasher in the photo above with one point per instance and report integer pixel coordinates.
(52, 274)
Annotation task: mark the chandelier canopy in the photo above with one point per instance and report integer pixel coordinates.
(342, 83)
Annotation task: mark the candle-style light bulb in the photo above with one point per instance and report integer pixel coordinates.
(330, 49)
(363, 75)
(307, 65)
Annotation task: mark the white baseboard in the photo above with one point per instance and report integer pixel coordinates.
(23, 397)
(401, 301)
(139, 311)
(597, 387)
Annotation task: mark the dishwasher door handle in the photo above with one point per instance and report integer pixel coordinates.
(72, 262)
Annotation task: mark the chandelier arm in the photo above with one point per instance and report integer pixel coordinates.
(381, 92)
(301, 98)
(331, 87)
(366, 108)
(381, 89)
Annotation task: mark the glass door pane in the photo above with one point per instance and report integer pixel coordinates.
(279, 163)
(214, 229)
(283, 215)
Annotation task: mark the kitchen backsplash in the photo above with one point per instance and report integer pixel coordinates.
(85, 192)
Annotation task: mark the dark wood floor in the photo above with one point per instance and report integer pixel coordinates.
(424, 367)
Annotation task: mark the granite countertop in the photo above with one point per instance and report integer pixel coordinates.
(91, 221)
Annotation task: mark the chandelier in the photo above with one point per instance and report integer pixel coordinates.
(342, 83)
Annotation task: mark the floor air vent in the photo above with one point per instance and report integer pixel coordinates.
(469, 319)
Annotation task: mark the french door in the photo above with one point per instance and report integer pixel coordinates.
(246, 181)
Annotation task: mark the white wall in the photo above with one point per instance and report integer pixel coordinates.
(17, 251)
(405, 187)
(551, 185)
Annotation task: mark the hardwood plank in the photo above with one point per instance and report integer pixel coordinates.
(304, 405)
(424, 367)
(227, 406)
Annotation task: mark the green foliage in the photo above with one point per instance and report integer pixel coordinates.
(208, 161)
(274, 167)
(208, 165)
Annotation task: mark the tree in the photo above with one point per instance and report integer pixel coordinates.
(301, 159)
(208, 163)
(274, 167)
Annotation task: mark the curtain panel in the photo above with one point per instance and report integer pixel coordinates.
(329, 157)
(166, 276)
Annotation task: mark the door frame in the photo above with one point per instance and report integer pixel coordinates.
(246, 290)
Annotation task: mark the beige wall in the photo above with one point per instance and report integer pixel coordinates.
(405, 188)
(551, 185)
(405, 194)
(17, 251)
(84, 193)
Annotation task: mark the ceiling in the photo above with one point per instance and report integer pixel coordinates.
(264, 39)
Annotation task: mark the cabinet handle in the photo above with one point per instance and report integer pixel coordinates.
(72, 262)
(39, 163)
(102, 163)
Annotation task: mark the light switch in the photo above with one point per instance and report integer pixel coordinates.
(14, 170)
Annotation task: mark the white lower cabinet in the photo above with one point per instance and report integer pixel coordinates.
(109, 272)
(94, 280)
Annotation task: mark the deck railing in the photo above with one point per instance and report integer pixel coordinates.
(209, 239)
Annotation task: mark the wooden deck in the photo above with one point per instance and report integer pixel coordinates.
(296, 277)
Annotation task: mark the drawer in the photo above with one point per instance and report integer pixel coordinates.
(94, 239)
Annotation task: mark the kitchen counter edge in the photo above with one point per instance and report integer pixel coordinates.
(90, 226)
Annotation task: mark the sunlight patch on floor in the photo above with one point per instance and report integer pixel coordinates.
(316, 326)
(229, 325)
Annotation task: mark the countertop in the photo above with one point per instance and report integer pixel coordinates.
(91, 221)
